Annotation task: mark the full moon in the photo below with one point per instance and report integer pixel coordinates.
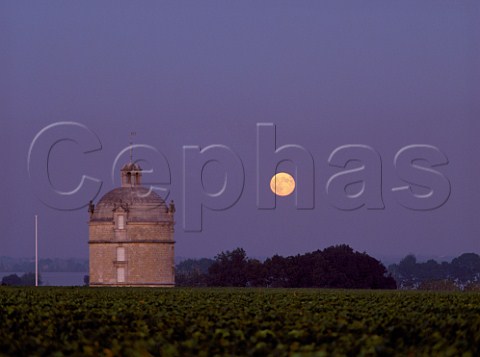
(282, 184)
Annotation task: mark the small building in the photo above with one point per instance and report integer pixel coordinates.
(131, 236)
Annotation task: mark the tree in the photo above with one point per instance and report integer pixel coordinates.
(334, 267)
(12, 280)
(462, 271)
(405, 273)
(229, 269)
(408, 266)
(466, 267)
(27, 279)
(276, 272)
(192, 272)
(349, 269)
(255, 273)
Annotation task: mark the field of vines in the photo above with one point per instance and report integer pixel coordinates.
(256, 322)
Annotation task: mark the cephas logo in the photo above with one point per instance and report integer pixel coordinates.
(356, 181)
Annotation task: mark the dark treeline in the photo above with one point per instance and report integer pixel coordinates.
(8, 264)
(462, 273)
(27, 279)
(334, 267)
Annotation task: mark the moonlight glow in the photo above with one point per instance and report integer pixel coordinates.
(282, 184)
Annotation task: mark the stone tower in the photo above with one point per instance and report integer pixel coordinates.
(131, 236)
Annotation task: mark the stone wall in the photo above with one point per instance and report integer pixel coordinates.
(149, 254)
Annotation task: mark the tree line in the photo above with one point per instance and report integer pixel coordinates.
(333, 267)
(27, 279)
(462, 273)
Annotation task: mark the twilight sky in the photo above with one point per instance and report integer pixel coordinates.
(384, 75)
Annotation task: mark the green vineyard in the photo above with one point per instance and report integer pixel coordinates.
(256, 322)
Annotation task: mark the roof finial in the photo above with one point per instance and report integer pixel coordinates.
(132, 134)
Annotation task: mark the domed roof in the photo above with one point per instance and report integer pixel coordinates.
(142, 205)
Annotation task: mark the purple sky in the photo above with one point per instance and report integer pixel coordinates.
(326, 74)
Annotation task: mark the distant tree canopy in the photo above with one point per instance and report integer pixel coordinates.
(334, 267)
(27, 279)
(192, 272)
(461, 272)
(229, 269)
